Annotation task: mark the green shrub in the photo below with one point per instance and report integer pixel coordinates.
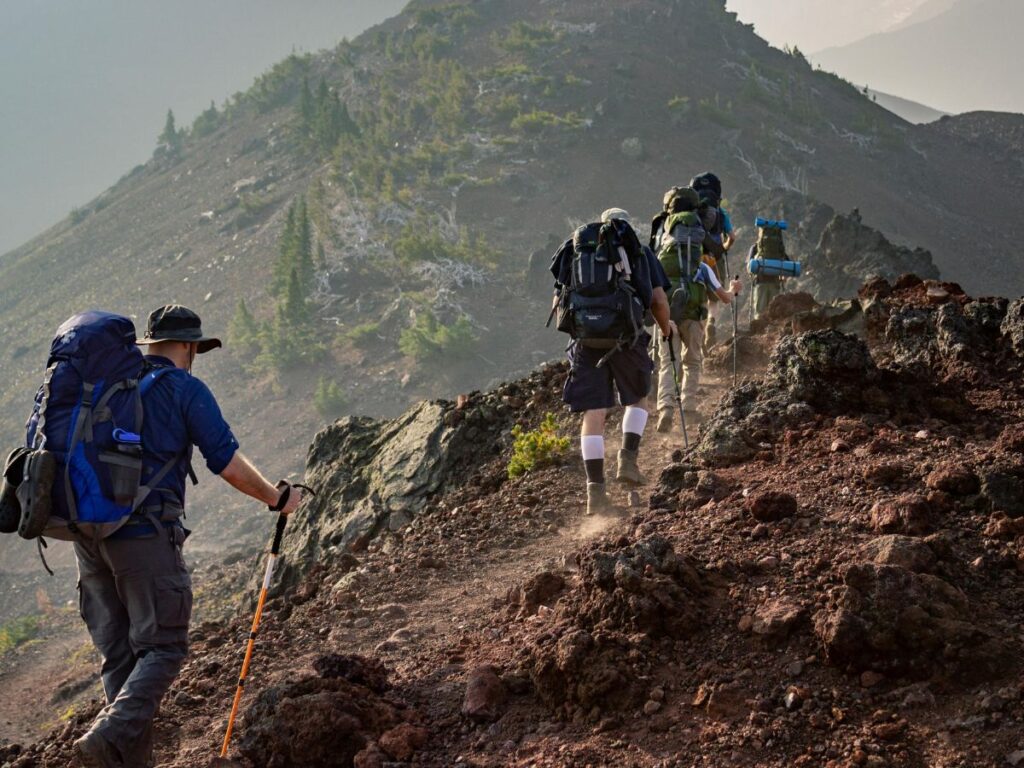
(429, 339)
(536, 121)
(18, 632)
(365, 335)
(523, 37)
(420, 241)
(536, 448)
(329, 399)
(718, 112)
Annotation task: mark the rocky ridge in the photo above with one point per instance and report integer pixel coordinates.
(846, 592)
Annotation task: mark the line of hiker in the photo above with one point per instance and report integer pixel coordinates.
(108, 451)
(610, 293)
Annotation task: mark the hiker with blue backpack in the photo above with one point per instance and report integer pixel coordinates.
(109, 449)
(682, 244)
(605, 283)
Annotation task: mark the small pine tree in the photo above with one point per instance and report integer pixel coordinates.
(285, 254)
(244, 331)
(307, 110)
(329, 399)
(170, 139)
(303, 248)
(207, 122)
(296, 310)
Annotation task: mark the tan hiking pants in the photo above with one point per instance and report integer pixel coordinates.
(688, 347)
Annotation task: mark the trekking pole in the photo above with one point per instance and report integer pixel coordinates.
(735, 322)
(275, 549)
(679, 393)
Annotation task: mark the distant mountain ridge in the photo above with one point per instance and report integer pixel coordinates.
(964, 58)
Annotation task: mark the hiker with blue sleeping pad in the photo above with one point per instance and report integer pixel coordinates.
(605, 283)
(681, 251)
(769, 264)
(109, 448)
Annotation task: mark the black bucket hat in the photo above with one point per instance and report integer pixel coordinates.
(177, 323)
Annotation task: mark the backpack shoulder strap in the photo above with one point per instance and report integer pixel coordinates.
(152, 376)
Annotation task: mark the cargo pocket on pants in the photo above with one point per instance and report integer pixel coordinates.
(173, 604)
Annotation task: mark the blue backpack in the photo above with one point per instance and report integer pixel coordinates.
(83, 476)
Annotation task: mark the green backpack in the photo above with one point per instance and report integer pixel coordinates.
(770, 244)
(680, 256)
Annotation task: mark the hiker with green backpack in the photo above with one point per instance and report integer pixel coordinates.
(770, 249)
(108, 450)
(717, 223)
(605, 283)
(681, 244)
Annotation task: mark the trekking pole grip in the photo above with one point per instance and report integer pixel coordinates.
(282, 521)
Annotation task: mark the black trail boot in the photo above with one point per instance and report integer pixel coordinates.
(96, 752)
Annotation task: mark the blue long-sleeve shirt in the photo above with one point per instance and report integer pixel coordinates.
(180, 413)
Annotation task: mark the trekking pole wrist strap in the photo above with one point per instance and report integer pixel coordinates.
(282, 500)
(286, 491)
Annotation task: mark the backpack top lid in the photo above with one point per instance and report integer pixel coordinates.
(88, 332)
(99, 345)
(685, 199)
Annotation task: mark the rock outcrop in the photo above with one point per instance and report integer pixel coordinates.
(372, 476)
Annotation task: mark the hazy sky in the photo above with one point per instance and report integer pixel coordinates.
(85, 84)
(817, 24)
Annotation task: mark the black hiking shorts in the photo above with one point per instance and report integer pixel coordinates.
(627, 374)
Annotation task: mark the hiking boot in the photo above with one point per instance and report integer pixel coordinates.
(629, 472)
(665, 420)
(598, 502)
(35, 494)
(94, 751)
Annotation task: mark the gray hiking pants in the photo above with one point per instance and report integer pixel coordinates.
(135, 596)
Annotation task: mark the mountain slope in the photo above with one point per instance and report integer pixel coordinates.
(911, 111)
(956, 61)
(481, 129)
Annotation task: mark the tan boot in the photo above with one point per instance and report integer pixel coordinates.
(629, 472)
(665, 420)
(598, 502)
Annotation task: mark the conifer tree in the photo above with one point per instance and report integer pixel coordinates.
(244, 331)
(170, 139)
(207, 122)
(307, 110)
(303, 248)
(295, 310)
(285, 254)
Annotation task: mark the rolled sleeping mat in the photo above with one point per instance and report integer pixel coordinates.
(769, 224)
(774, 268)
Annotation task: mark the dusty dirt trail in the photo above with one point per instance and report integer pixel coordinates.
(47, 679)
